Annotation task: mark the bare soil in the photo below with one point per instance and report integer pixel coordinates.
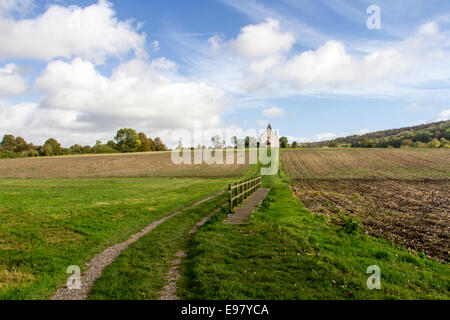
(412, 213)
(367, 163)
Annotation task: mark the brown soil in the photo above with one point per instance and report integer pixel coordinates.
(412, 213)
(152, 164)
(367, 163)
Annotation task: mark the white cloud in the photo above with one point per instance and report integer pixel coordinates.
(262, 40)
(331, 65)
(38, 124)
(92, 32)
(444, 116)
(11, 81)
(274, 112)
(325, 136)
(271, 67)
(363, 131)
(136, 90)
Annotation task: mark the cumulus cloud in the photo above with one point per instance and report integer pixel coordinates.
(37, 124)
(331, 65)
(271, 66)
(444, 116)
(11, 81)
(262, 40)
(92, 32)
(136, 90)
(274, 112)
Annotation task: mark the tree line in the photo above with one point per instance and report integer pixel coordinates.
(126, 140)
(432, 135)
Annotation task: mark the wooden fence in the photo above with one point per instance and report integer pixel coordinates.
(242, 190)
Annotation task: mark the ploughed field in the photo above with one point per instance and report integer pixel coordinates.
(401, 195)
(151, 164)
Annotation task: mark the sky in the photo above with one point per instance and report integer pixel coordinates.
(314, 69)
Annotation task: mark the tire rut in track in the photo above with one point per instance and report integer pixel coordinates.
(98, 264)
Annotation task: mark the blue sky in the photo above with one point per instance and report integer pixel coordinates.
(79, 70)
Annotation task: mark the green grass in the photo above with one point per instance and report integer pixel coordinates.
(50, 224)
(285, 252)
(140, 271)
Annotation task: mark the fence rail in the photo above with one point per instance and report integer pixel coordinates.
(242, 190)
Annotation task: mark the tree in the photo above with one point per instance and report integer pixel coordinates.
(445, 144)
(435, 143)
(127, 140)
(247, 141)
(145, 144)
(217, 142)
(102, 148)
(179, 146)
(333, 144)
(98, 144)
(88, 149)
(76, 148)
(283, 142)
(152, 144)
(51, 147)
(407, 143)
(21, 145)
(111, 144)
(234, 142)
(8, 142)
(295, 145)
(160, 146)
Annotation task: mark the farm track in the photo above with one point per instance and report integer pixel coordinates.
(97, 265)
(170, 290)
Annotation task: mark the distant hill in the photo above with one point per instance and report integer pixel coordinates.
(431, 135)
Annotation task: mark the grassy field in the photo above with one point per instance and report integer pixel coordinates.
(151, 164)
(285, 252)
(50, 224)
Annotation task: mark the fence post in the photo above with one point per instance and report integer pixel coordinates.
(230, 196)
(236, 190)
